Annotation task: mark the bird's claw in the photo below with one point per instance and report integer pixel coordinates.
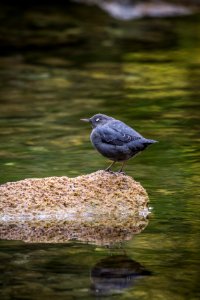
(112, 172)
(121, 172)
(108, 170)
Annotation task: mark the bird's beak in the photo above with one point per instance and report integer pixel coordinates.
(85, 120)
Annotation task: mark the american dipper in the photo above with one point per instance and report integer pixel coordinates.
(116, 140)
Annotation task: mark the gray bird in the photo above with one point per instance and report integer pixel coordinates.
(116, 140)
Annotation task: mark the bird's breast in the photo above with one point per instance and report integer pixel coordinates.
(113, 152)
(95, 137)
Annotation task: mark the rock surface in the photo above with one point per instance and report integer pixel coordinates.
(100, 207)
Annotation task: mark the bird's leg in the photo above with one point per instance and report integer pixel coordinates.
(121, 169)
(110, 166)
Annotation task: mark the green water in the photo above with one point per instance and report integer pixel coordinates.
(59, 65)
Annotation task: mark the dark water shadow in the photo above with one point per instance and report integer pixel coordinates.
(116, 273)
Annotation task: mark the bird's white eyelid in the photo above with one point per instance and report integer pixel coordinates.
(97, 120)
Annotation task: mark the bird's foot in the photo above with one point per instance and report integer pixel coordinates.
(121, 172)
(121, 169)
(109, 170)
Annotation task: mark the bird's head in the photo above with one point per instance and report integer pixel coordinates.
(98, 119)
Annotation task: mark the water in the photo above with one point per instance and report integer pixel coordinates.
(59, 65)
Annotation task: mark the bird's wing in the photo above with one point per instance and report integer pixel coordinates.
(117, 133)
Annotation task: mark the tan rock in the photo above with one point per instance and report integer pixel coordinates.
(100, 207)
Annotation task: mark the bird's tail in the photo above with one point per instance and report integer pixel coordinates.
(149, 142)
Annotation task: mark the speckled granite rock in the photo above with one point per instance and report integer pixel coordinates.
(100, 207)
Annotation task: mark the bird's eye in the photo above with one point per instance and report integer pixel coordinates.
(97, 120)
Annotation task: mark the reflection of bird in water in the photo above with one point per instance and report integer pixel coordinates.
(116, 140)
(115, 273)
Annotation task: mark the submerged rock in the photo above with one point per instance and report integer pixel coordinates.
(100, 207)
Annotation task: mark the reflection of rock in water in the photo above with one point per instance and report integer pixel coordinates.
(100, 207)
(54, 231)
(115, 273)
(127, 9)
